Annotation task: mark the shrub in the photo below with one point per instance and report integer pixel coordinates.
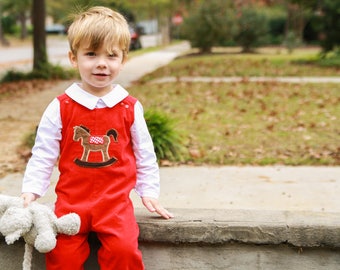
(291, 41)
(165, 137)
(49, 72)
(29, 139)
(211, 24)
(330, 25)
(253, 29)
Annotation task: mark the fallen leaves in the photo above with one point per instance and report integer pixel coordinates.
(24, 87)
(254, 123)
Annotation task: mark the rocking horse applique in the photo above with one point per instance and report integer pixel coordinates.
(94, 144)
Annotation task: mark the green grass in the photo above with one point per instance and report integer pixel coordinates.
(229, 63)
(251, 123)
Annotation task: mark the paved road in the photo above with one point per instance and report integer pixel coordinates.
(20, 57)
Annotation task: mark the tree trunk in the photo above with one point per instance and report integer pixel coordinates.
(39, 35)
(3, 40)
(295, 21)
(22, 19)
(165, 30)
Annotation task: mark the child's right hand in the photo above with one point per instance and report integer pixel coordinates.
(28, 198)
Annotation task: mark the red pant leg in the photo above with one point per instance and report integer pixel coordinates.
(119, 253)
(70, 253)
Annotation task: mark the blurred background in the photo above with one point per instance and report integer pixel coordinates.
(246, 23)
(255, 120)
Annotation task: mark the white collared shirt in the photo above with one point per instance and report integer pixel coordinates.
(46, 149)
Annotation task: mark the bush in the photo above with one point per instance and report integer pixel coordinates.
(211, 24)
(330, 62)
(330, 25)
(253, 29)
(291, 41)
(165, 137)
(29, 139)
(8, 24)
(49, 72)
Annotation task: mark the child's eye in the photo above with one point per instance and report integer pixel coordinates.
(112, 54)
(90, 54)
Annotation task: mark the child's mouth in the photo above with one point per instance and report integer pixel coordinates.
(100, 74)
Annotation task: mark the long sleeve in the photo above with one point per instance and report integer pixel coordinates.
(148, 182)
(45, 151)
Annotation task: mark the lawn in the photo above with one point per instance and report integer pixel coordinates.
(230, 63)
(249, 123)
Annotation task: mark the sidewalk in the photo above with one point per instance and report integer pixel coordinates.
(197, 79)
(270, 188)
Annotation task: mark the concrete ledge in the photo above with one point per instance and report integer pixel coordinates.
(301, 229)
(204, 226)
(215, 239)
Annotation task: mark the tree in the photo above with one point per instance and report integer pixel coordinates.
(330, 25)
(3, 40)
(329, 12)
(19, 9)
(160, 10)
(40, 60)
(210, 24)
(253, 28)
(295, 21)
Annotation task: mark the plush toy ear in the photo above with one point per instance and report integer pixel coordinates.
(68, 224)
(45, 241)
(43, 223)
(9, 201)
(15, 223)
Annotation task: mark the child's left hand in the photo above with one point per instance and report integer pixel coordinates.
(153, 206)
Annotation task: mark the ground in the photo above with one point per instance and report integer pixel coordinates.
(20, 112)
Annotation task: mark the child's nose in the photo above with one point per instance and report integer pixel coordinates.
(101, 62)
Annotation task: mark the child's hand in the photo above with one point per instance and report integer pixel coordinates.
(153, 206)
(28, 198)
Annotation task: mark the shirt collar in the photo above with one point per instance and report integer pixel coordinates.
(116, 95)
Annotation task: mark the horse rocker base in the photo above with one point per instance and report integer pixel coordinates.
(87, 164)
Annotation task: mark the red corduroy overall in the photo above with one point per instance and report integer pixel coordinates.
(97, 172)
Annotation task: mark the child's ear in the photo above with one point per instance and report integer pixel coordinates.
(125, 57)
(73, 59)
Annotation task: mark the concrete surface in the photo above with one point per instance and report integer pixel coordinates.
(273, 188)
(137, 67)
(238, 257)
(20, 57)
(198, 79)
(211, 226)
(223, 239)
(233, 256)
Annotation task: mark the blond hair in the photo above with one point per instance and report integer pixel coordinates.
(100, 26)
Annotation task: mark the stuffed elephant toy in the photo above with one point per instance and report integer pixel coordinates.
(36, 224)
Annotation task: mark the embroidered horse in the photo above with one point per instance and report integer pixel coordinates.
(93, 143)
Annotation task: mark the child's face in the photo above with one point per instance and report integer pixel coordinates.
(97, 68)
